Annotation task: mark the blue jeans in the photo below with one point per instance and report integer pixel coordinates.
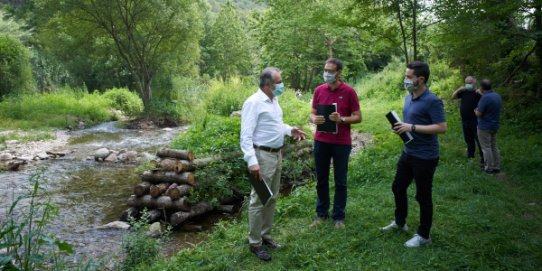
(323, 152)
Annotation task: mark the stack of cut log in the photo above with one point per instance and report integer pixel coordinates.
(163, 190)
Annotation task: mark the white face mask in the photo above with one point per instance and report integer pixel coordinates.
(409, 85)
(329, 77)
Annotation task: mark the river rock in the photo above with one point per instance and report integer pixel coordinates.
(112, 158)
(5, 156)
(155, 229)
(116, 225)
(26, 157)
(101, 153)
(42, 155)
(11, 142)
(128, 156)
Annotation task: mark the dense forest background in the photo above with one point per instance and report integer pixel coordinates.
(148, 46)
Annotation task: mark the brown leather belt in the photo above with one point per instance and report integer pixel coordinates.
(267, 149)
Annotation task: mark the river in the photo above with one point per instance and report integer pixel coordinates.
(90, 194)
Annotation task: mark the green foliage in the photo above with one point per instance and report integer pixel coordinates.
(15, 68)
(61, 109)
(138, 248)
(23, 231)
(145, 37)
(388, 84)
(226, 48)
(125, 100)
(9, 26)
(224, 97)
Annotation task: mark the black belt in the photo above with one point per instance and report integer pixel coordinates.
(268, 149)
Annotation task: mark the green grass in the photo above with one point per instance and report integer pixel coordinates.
(24, 136)
(54, 110)
(481, 222)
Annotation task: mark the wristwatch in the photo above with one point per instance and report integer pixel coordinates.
(413, 127)
(343, 120)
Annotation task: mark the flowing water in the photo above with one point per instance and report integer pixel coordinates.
(89, 193)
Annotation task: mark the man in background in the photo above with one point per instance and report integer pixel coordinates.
(488, 113)
(470, 97)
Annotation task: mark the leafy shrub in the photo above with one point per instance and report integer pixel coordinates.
(138, 248)
(63, 108)
(15, 69)
(162, 108)
(23, 232)
(125, 100)
(226, 97)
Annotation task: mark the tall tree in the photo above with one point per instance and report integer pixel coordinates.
(226, 47)
(145, 34)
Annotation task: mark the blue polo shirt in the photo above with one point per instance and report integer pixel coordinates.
(425, 109)
(490, 107)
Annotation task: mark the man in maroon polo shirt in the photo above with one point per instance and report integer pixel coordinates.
(333, 145)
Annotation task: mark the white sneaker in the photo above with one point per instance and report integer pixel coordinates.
(394, 226)
(417, 241)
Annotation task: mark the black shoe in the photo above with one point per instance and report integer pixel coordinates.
(260, 253)
(492, 171)
(270, 243)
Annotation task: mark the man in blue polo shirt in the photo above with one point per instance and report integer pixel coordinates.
(488, 113)
(423, 117)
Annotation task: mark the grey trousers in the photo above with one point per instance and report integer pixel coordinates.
(260, 217)
(488, 142)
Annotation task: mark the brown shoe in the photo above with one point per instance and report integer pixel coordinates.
(270, 243)
(260, 253)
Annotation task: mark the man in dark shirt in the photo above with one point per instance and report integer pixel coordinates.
(423, 116)
(470, 97)
(488, 113)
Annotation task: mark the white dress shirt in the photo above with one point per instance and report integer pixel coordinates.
(261, 125)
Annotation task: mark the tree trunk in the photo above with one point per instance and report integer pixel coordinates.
(154, 215)
(538, 44)
(142, 189)
(129, 214)
(169, 177)
(198, 209)
(177, 154)
(177, 191)
(158, 189)
(414, 31)
(403, 34)
(162, 202)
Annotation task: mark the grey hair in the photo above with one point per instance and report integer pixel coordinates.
(471, 78)
(267, 76)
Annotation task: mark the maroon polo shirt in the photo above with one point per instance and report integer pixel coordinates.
(347, 102)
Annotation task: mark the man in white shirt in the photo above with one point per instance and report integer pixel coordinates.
(262, 137)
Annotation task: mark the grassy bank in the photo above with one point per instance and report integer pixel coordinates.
(481, 221)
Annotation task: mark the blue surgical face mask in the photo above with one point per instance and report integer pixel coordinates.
(469, 87)
(329, 77)
(409, 85)
(279, 88)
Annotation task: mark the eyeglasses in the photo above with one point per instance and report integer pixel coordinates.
(330, 71)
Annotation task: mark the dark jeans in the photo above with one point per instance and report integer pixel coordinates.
(323, 152)
(422, 171)
(470, 134)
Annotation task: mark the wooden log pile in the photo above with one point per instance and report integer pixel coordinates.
(164, 189)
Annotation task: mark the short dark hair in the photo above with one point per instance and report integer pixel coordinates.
(266, 77)
(486, 84)
(420, 69)
(336, 62)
